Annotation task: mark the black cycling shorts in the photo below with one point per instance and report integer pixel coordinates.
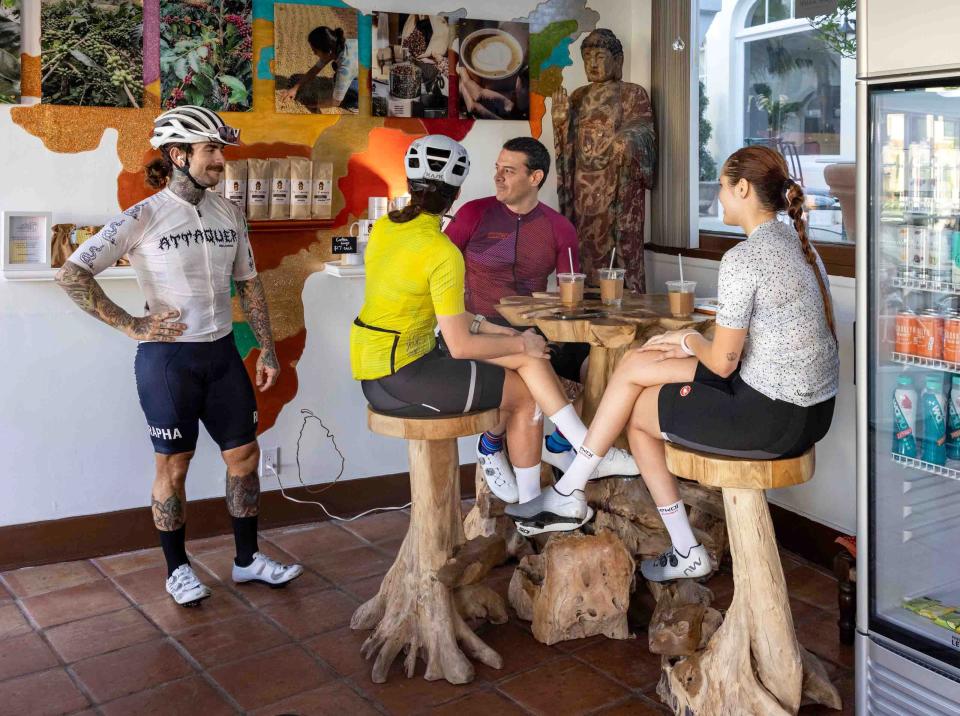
(183, 384)
(565, 358)
(435, 385)
(726, 416)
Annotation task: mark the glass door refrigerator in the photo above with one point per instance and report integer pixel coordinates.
(908, 387)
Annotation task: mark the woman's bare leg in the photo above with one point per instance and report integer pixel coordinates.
(646, 444)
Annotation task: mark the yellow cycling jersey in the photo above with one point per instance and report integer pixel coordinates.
(414, 274)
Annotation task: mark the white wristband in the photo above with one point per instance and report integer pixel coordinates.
(683, 344)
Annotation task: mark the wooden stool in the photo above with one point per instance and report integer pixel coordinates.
(428, 588)
(753, 663)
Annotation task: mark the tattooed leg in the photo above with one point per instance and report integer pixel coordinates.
(169, 497)
(243, 494)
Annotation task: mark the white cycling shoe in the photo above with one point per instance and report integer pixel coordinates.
(551, 511)
(266, 571)
(673, 565)
(616, 462)
(185, 588)
(498, 475)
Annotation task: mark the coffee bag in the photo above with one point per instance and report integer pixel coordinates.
(280, 188)
(258, 188)
(301, 171)
(235, 183)
(322, 200)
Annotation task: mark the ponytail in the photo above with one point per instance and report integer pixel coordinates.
(333, 42)
(794, 200)
(766, 171)
(426, 196)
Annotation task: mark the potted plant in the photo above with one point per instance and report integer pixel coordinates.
(709, 186)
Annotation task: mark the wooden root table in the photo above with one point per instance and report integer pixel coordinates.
(752, 664)
(434, 582)
(609, 335)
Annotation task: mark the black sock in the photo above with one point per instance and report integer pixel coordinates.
(174, 548)
(245, 535)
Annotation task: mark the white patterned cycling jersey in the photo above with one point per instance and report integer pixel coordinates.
(767, 286)
(184, 257)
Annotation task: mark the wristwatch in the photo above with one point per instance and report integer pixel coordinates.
(477, 320)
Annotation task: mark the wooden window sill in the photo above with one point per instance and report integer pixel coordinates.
(840, 259)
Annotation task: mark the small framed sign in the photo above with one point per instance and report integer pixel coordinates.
(344, 245)
(26, 240)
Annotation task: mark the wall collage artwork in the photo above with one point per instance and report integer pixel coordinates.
(426, 66)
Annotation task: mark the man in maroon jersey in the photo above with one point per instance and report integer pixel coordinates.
(512, 242)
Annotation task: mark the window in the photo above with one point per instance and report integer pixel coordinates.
(767, 77)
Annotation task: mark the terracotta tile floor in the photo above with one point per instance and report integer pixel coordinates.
(102, 637)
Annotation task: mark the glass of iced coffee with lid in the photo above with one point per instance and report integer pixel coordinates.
(571, 288)
(611, 286)
(680, 294)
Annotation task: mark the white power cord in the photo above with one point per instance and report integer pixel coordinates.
(328, 513)
(307, 416)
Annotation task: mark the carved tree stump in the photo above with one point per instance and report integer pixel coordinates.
(753, 663)
(578, 587)
(433, 583)
(487, 518)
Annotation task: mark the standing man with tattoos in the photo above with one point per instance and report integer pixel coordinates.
(186, 244)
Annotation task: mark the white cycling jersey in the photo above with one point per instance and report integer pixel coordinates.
(184, 257)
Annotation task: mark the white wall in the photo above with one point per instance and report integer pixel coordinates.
(829, 498)
(70, 424)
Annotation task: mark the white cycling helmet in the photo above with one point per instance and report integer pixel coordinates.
(437, 157)
(190, 124)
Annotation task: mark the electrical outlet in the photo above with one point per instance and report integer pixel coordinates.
(269, 462)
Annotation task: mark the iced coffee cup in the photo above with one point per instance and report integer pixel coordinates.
(611, 286)
(571, 288)
(680, 294)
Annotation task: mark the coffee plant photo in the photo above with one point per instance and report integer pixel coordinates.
(9, 51)
(206, 52)
(91, 53)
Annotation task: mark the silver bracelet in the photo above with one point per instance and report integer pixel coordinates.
(683, 344)
(477, 320)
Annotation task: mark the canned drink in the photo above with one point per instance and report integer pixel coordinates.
(917, 250)
(951, 338)
(928, 339)
(906, 330)
(939, 249)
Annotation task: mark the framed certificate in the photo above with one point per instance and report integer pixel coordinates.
(25, 240)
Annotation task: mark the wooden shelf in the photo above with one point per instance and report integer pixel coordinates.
(281, 226)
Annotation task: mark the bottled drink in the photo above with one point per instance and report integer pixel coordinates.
(905, 417)
(933, 437)
(939, 252)
(955, 253)
(953, 420)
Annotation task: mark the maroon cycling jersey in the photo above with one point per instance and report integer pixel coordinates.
(510, 254)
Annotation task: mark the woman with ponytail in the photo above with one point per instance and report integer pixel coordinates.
(330, 45)
(768, 397)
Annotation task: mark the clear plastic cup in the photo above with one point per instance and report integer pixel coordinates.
(681, 295)
(571, 288)
(611, 286)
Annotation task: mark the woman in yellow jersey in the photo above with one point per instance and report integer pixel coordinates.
(415, 282)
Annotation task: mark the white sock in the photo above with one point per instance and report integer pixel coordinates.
(528, 482)
(580, 471)
(570, 424)
(675, 520)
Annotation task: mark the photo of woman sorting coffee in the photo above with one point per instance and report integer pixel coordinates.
(410, 66)
(492, 70)
(317, 62)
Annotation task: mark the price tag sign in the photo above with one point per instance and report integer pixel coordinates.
(344, 244)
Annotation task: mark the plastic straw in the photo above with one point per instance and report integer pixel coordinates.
(680, 261)
(612, 254)
(570, 254)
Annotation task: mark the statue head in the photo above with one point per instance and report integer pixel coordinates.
(602, 56)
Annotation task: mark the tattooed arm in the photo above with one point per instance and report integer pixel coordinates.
(253, 300)
(84, 291)
(721, 355)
